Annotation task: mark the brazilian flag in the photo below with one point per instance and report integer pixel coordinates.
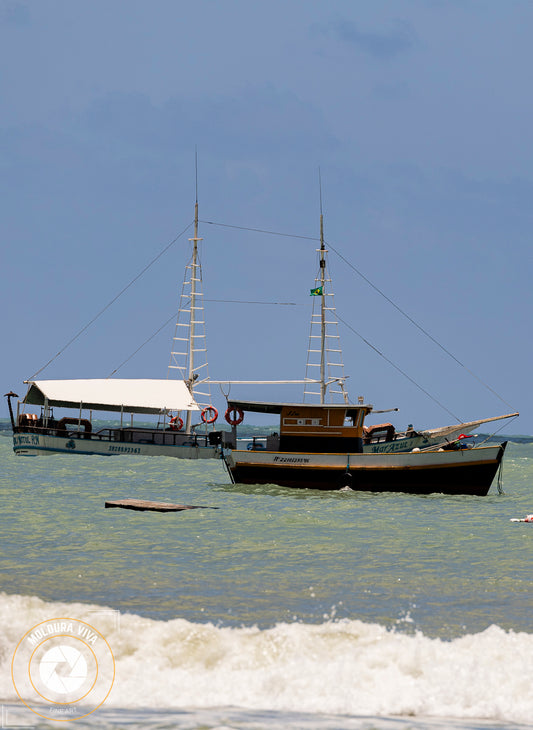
(317, 292)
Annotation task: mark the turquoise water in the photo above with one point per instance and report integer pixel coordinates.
(295, 607)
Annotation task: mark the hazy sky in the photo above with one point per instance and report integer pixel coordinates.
(418, 115)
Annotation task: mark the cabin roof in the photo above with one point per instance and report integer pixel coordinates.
(262, 407)
(128, 396)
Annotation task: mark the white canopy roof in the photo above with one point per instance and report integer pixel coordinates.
(129, 396)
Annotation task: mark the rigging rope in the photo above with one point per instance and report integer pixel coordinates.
(260, 230)
(398, 369)
(494, 433)
(141, 347)
(286, 235)
(241, 301)
(425, 332)
(378, 290)
(172, 316)
(83, 329)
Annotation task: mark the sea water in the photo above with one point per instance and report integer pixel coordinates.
(269, 607)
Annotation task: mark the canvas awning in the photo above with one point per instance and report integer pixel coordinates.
(128, 396)
(260, 407)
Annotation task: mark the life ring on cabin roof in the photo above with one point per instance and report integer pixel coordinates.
(176, 423)
(211, 418)
(236, 418)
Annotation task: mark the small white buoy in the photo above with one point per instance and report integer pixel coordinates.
(416, 450)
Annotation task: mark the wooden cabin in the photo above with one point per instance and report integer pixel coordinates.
(328, 428)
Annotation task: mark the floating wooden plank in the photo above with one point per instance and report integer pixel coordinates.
(143, 504)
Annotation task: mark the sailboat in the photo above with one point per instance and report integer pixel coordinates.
(327, 446)
(173, 401)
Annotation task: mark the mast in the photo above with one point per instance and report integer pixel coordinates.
(189, 348)
(194, 280)
(323, 386)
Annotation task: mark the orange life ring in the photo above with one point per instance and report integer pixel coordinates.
(176, 423)
(213, 418)
(236, 418)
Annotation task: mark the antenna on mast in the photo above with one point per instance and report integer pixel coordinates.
(320, 190)
(196, 171)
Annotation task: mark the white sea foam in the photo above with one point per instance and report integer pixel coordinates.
(344, 666)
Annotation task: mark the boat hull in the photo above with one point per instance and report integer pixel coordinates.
(32, 444)
(464, 471)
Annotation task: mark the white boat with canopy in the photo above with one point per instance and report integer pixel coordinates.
(75, 433)
(172, 401)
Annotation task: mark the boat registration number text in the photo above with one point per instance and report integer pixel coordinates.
(125, 449)
(26, 439)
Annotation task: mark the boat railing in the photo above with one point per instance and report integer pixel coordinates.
(251, 443)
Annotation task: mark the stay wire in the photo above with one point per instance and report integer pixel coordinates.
(99, 314)
(495, 433)
(173, 316)
(419, 327)
(396, 367)
(241, 301)
(260, 230)
(379, 291)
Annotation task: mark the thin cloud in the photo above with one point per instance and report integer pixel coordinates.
(15, 13)
(398, 40)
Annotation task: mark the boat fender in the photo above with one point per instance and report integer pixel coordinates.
(234, 416)
(176, 423)
(209, 414)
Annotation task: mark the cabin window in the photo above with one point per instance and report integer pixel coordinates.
(302, 421)
(356, 417)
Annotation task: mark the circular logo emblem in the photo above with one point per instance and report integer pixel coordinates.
(63, 669)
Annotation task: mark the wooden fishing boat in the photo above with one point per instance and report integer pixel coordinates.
(321, 447)
(328, 445)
